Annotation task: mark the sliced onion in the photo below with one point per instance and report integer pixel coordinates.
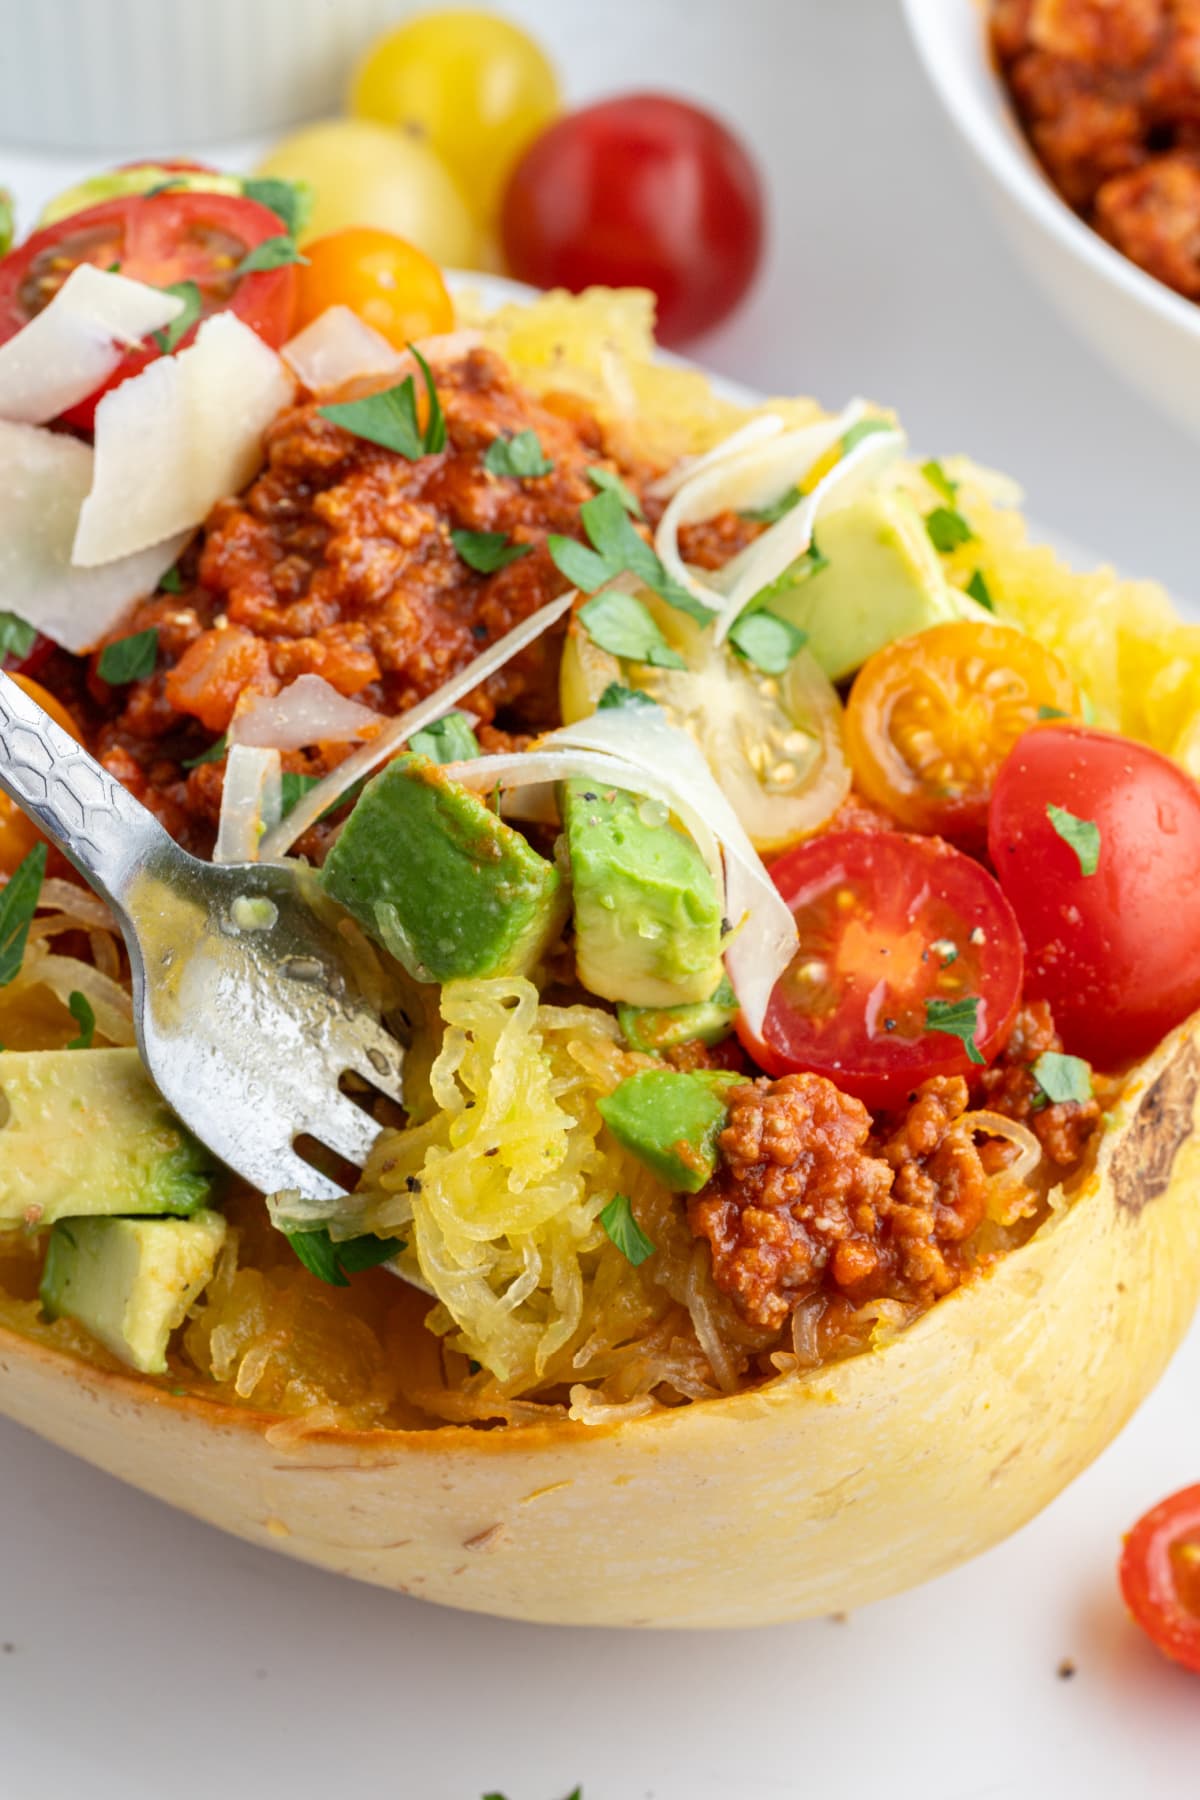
(999, 1125)
(338, 347)
(279, 840)
(308, 711)
(177, 438)
(78, 903)
(72, 346)
(250, 802)
(754, 431)
(44, 478)
(110, 1002)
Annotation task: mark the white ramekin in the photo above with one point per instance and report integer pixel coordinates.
(114, 74)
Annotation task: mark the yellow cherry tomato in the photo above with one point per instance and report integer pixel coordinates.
(364, 174)
(18, 833)
(469, 84)
(390, 284)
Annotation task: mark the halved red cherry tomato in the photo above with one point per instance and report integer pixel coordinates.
(931, 718)
(892, 930)
(1160, 1576)
(159, 239)
(1117, 952)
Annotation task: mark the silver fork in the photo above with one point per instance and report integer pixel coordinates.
(245, 1005)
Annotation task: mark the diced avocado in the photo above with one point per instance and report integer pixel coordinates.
(647, 910)
(654, 1029)
(881, 580)
(86, 1131)
(446, 740)
(442, 882)
(671, 1121)
(115, 184)
(130, 1281)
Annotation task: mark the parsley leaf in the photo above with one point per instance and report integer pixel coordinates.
(864, 429)
(520, 456)
(614, 536)
(766, 640)
(1083, 835)
(129, 658)
(947, 529)
(1051, 712)
(272, 253)
(620, 624)
(616, 698)
(580, 566)
(979, 590)
(778, 509)
(607, 481)
(290, 201)
(214, 753)
(447, 740)
(390, 418)
(18, 903)
(487, 551)
(957, 1018)
(168, 339)
(171, 582)
(940, 482)
(80, 1009)
(624, 1230)
(293, 787)
(16, 637)
(335, 1263)
(1062, 1078)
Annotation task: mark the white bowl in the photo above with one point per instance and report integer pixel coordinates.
(1149, 335)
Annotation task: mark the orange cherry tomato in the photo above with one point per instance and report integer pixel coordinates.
(931, 718)
(394, 287)
(1160, 1576)
(18, 833)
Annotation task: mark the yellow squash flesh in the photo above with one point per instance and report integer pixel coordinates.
(815, 1494)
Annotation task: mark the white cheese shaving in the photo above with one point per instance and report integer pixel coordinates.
(250, 802)
(72, 346)
(44, 477)
(754, 431)
(336, 348)
(175, 439)
(308, 711)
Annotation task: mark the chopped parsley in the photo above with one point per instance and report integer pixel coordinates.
(1083, 835)
(169, 339)
(947, 529)
(17, 638)
(171, 582)
(335, 1263)
(293, 787)
(979, 590)
(864, 429)
(390, 418)
(7, 223)
(129, 658)
(290, 201)
(624, 1231)
(80, 1009)
(213, 754)
(581, 566)
(766, 640)
(775, 510)
(957, 1018)
(447, 740)
(273, 253)
(607, 481)
(811, 563)
(520, 456)
(487, 551)
(1051, 712)
(940, 482)
(616, 698)
(18, 903)
(620, 624)
(618, 548)
(1062, 1078)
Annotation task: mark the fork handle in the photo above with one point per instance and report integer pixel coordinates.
(106, 833)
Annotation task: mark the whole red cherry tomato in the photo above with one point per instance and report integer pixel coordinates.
(644, 191)
(1160, 1576)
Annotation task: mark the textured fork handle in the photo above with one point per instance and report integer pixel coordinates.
(105, 832)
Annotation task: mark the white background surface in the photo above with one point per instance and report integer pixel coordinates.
(145, 1657)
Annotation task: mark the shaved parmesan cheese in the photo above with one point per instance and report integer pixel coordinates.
(251, 800)
(308, 711)
(397, 731)
(336, 348)
(44, 477)
(178, 437)
(754, 431)
(73, 345)
(644, 754)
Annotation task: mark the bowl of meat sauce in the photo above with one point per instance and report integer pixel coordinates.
(1083, 117)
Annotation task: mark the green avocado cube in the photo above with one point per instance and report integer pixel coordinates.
(671, 1119)
(647, 910)
(655, 1029)
(439, 880)
(130, 1282)
(86, 1131)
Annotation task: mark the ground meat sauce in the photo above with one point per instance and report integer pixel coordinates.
(1109, 92)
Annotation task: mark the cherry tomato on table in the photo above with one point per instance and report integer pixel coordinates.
(18, 833)
(644, 191)
(159, 239)
(1096, 842)
(893, 931)
(931, 718)
(390, 284)
(1160, 1576)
